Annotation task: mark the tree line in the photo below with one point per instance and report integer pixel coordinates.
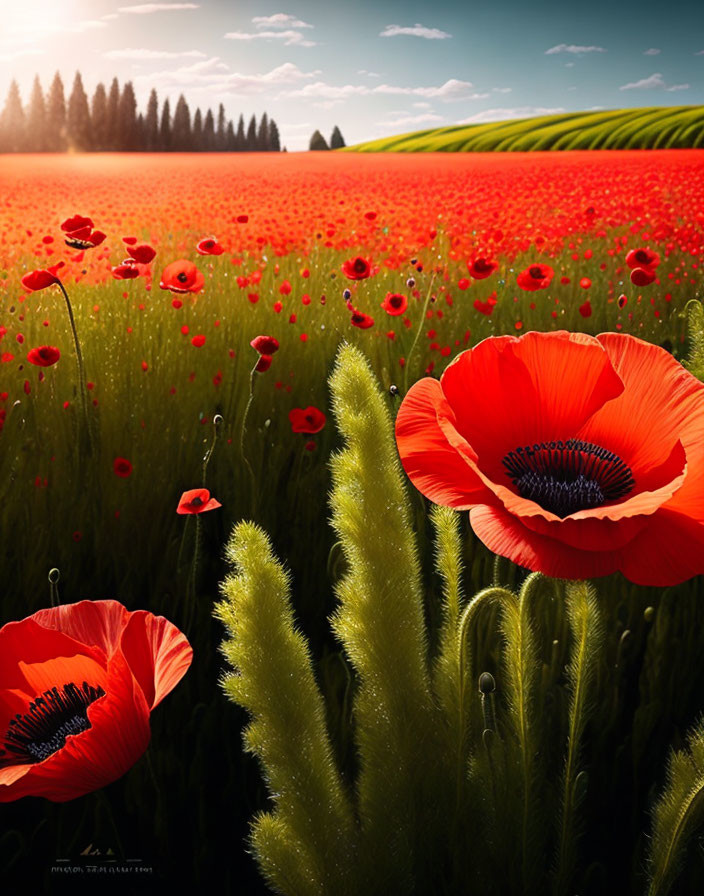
(110, 122)
(318, 142)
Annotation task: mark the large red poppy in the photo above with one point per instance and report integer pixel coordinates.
(576, 456)
(537, 276)
(182, 276)
(356, 268)
(77, 685)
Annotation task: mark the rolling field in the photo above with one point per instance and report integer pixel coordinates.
(676, 127)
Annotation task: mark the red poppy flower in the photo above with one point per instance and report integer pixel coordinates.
(265, 345)
(122, 467)
(481, 268)
(44, 356)
(80, 234)
(77, 685)
(309, 420)
(576, 456)
(36, 280)
(76, 223)
(537, 276)
(263, 364)
(356, 268)
(642, 258)
(143, 253)
(128, 270)
(197, 500)
(643, 276)
(182, 276)
(361, 320)
(209, 246)
(394, 304)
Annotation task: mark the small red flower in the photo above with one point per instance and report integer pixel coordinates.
(143, 253)
(128, 270)
(122, 467)
(198, 341)
(182, 276)
(197, 500)
(263, 364)
(356, 268)
(77, 222)
(265, 345)
(481, 268)
(209, 246)
(537, 276)
(36, 280)
(361, 320)
(308, 420)
(77, 685)
(642, 258)
(44, 356)
(80, 234)
(394, 304)
(643, 276)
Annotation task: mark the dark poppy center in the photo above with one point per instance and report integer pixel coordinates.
(396, 301)
(536, 272)
(481, 264)
(360, 265)
(182, 277)
(50, 719)
(197, 501)
(564, 477)
(642, 256)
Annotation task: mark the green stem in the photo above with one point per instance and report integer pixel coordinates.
(243, 428)
(79, 362)
(417, 336)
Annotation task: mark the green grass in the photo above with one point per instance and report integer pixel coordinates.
(674, 127)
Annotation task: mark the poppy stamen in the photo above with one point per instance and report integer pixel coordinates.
(42, 731)
(565, 477)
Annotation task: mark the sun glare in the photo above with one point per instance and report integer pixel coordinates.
(35, 19)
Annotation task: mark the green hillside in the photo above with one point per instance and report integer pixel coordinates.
(673, 127)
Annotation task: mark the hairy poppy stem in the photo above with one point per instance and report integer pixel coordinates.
(79, 361)
(217, 423)
(54, 576)
(417, 336)
(252, 377)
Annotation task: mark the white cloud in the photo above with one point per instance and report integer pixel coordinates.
(363, 71)
(488, 115)
(279, 20)
(211, 74)
(450, 91)
(501, 89)
(146, 8)
(569, 65)
(699, 53)
(141, 54)
(572, 48)
(405, 121)
(417, 30)
(422, 105)
(653, 82)
(29, 51)
(290, 38)
(653, 51)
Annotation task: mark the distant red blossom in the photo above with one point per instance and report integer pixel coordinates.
(308, 420)
(196, 500)
(209, 246)
(182, 276)
(122, 467)
(642, 258)
(265, 345)
(395, 303)
(357, 268)
(537, 276)
(44, 356)
(481, 268)
(143, 253)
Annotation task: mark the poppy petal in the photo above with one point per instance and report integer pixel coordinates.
(118, 736)
(433, 465)
(667, 552)
(510, 392)
(96, 622)
(158, 654)
(506, 536)
(60, 670)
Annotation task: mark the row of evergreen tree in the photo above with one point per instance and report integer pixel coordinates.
(111, 123)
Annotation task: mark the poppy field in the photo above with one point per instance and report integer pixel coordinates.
(192, 341)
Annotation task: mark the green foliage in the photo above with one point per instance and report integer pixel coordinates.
(678, 813)
(650, 128)
(454, 790)
(694, 361)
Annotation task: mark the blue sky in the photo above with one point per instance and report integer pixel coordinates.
(372, 68)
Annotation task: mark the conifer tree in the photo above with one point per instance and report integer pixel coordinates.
(140, 130)
(197, 132)
(181, 127)
(113, 117)
(250, 141)
(230, 138)
(12, 123)
(209, 132)
(165, 128)
(99, 118)
(318, 142)
(36, 120)
(274, 138)
(240, 139)
(151, 124)
(263, 134)
(56, 116)
(221, 133)
(78, 117)
(337, 141)
(127, 118)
